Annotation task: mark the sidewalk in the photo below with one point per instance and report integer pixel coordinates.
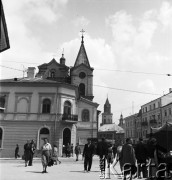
(12, 169)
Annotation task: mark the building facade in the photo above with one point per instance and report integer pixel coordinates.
(56, 103)
(130, 127)
(156, 113)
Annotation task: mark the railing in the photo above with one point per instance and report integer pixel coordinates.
(153, 121)
(69, 117)
(144, 123)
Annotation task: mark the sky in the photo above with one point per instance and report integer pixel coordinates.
(128, 43)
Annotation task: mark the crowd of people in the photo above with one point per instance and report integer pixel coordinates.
(143, 160)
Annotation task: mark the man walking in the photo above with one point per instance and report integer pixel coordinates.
(102, 151)
(33, 147)
(88, 153)
(142, 157)
(77, 151)
(128, 159)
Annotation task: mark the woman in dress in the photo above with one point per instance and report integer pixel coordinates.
(46, 154)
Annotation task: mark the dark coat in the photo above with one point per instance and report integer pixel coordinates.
(88, 151)
(102, 148)
(141, 152)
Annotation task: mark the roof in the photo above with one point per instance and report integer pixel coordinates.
(82, 56)
(111, 127)
(34, 81)
(89, 102)
(107, 102)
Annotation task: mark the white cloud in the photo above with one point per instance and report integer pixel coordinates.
(147, 86)
(81, 21)
(165, 14)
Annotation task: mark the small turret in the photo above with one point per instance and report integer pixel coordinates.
(62, 60)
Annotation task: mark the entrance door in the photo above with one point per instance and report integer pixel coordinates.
(66, 136)
(44, 133)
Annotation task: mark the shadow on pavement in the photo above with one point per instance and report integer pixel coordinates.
(35, 172)
(83, 171)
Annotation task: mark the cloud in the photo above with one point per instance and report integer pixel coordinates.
(147, 86)
(81, 21)
(165, 14)
(132, 36)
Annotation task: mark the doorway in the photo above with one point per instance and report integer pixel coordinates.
(66, 136)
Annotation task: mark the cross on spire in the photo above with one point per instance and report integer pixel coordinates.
(82, 31)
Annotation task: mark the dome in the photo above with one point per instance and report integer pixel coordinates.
(111, 127)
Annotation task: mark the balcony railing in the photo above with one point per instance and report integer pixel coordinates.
(69, 117)
(153, 121)
(144, 123)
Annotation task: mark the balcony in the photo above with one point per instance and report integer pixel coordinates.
(153, 121)
(144, 123)
(69, 118)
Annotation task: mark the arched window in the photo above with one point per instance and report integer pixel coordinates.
(2, 104)
(67, 108)
(52, 73)
(1, 135)
(44, 131)
(46, 106)
(85, 115)
(82, 89)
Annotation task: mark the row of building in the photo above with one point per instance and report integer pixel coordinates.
(153, 114)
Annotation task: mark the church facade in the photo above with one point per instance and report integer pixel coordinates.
(56, 103)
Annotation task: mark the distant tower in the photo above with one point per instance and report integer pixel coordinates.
(121, 121)
(82, 73)
(107, 115)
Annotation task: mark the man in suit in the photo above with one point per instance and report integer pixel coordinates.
(88, 153)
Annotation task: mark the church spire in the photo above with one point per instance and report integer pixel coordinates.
(82, 55)
(107, 106)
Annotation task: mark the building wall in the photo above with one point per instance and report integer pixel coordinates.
(23, 117)
(130, 127)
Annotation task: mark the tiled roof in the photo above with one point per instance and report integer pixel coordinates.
(111, 127)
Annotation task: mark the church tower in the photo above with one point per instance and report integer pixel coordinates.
(82, 73)
(121, 121)
(107, 115)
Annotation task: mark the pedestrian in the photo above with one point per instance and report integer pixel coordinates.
(117, 159)
(102, 151)
(71, 150)
(151, 146)
(109, 160)
(46, 154)
(77, 151)
(114, 149)
(142, 158)
(128, 159)
(17, 151)
(55, 155)
(33, 148)
(68, 150)
(88, 153)
(27, 152)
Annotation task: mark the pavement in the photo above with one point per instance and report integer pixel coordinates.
(14, 169)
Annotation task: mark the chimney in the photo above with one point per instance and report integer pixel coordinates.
(170, 90)
(31, 72)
